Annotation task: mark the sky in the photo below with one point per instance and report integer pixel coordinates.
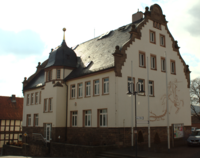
(29, 29)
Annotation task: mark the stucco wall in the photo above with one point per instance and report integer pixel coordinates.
(178, 91)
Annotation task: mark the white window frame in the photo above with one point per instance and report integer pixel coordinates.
(142, 59)
(129, 84)
(103, 114)
(162, 40)
(50, 104)
(74, 118)
(58, 71)
(173, 67)
(96, 87)
(163, 64)
(151, 87)
(32, 98)
(45, 105)
(87, 118)
(88, 88)
(105, 85)
(80, 90)
(28, 99)
(73, 91)
(36, 98)
(152, 37)
(36, 120)
(140, 84)
(153, 62)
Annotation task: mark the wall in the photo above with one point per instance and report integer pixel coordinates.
(179, 105)
(93, 102)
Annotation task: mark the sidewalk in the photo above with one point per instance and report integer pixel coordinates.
(182, 151)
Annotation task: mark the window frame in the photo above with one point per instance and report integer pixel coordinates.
(71, 92)
(98, 119)
(153, 56)
(36, 98)
(27, 120)
(71, 118)
(161, 59)
(45, 105)
(32, 98)
(78, 94)
(133, 83)
(164, 44)
(40, 95)
(157, 25)
(49, 75)
(50, 101)
(153, 95)
(35, 120)
(28, 99)
(144, 59)
(173, 61)
(154, 33)
(143, 86)
(89, 89)
(94, 85)
(107, 93)
(84, 114)
(58, 74)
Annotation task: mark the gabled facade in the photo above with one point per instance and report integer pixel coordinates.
(11, 109)
(79, 94)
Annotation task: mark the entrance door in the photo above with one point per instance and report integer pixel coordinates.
(48, 132)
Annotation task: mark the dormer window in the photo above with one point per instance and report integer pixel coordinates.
(49, 75)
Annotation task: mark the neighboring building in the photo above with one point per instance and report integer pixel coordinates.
(11, 109)
(80, 95)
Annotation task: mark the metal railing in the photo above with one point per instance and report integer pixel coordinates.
(38, 136)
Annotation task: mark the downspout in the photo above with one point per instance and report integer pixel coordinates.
(66, 111)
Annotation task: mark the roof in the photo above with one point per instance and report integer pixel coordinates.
(9, 109)
(97, 54)
(62, 56)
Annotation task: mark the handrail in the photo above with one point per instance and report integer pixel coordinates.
(39, 136)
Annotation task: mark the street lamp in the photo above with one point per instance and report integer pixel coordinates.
(129, 93)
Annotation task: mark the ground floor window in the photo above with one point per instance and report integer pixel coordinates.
(103, 121)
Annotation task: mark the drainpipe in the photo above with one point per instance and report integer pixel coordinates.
(66, 111)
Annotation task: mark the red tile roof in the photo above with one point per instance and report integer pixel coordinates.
(11, 110)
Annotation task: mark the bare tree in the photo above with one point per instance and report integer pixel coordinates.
(195, 95)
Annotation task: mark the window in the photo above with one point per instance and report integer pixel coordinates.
(142, 61)
(49, 75)
(141, 85)
(87, 89)
(157, 25)
(173, 67)
(80, 90)
(36, 98)
(40, 98)
(74, 118)
(103, 118)
(151, 88)
(153, 62)
(87, 118)
(45, 105)
(32, 98)
(163, 64)
(152, 37)
(28, 98)
(162, 40)
(28, 120)
(105, 85)
(96, 87)
(58, 73)
(72, 91)
(50, 104)
(131, 87)
(35, 119)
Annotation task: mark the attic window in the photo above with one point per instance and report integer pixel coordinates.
(38, 85)
(89, 64)
(105, 35)
(124, 28)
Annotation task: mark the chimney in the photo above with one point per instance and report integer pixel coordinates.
(13, 98)
(137, 16)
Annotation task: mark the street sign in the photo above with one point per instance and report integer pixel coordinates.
(140, 117)
(25, 134)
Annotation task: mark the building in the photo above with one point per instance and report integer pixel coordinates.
(11, 109)
(79, 95)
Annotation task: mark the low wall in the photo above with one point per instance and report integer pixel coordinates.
(77, 151)
(12, 150)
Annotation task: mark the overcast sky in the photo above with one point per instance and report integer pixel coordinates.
(29, 29)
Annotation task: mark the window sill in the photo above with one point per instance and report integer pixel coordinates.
(153, 42)
(79, 97)
(87, 96)
(163, 71)
(154, 69)
(173, 73)
(152, 96)
(141, 95)
(105, 94)
(162, 46)
(142, 66)
(72, 98)
(96, 95)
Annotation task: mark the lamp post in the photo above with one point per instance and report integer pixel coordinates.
(129, 93)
